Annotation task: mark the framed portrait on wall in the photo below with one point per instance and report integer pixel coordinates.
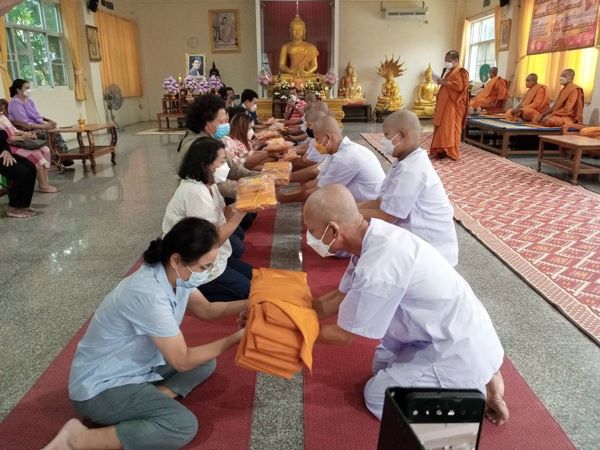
(504, 35)
(93, 43)
(224, 27)
(195, 65)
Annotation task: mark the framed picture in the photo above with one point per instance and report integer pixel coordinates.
(504, 35)
(224, 27)
(93, 43)
(195, 65)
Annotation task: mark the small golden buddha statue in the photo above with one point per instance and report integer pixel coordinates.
(390, 99)
(298, 58)
(425, 103)
(346, 81)
(355, 92)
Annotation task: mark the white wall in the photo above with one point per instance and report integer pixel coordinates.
(366, 38)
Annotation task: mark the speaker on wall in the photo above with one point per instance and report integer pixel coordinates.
(504, 2)
(93, 5)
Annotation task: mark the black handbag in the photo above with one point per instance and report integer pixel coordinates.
(30, 144)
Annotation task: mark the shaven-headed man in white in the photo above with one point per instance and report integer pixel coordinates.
(434, 331)
(412, 195)
(348, 164)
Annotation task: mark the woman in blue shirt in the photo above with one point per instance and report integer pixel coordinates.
(134, 361)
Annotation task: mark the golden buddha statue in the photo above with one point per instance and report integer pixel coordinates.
(355, 92)
(346, 81)
(425, 103)
(298, 58)
(390, 99)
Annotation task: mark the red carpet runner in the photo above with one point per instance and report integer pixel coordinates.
(335, 417)
(223, 404)
(546, 230)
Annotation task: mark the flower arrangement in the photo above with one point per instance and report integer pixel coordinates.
(170, 85)
(264, 78)
(330, 77)
(214, 83)
(193, 84)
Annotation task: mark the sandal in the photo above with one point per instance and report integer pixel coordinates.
(20, 215)
(48, 191)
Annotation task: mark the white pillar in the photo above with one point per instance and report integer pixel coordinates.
(336, 41)
(258, 24)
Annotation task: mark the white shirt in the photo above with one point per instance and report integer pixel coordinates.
(413, 193)
(355, 167)
(195, 199)
(312, 154)
(401, 290)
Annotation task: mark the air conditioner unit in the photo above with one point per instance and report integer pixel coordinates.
(405, 13)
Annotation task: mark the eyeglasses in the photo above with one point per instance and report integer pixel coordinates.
(208, 267)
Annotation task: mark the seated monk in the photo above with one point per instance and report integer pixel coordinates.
(494, 93)
(591, 132)
(534, 103)
(568, 107)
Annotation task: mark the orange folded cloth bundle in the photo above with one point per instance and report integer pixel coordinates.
(278, 145)
(280, 170)
(254, 193)
(282, 326)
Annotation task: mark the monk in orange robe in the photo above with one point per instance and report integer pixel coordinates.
(591, 132)
(494, 93)
(568, 107)
(535, 102)
(450, 110)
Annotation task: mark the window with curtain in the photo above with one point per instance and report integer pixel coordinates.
(482, 45)
(119, 45)
(35, 44)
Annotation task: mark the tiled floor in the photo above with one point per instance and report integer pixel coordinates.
(57, 267)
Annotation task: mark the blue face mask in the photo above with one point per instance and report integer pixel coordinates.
(221, 131)
(196, 279)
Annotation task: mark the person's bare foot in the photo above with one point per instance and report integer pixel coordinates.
(66, 435)
(495, 407)
(47, 189)
(20, 213)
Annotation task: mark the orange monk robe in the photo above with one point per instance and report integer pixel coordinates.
(535, 103)
(591, 132)
(567, 109)
(495, 91)
(450, 114)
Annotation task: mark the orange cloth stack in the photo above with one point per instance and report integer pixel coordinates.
(280, 170)
(254, 193)
(282, 326)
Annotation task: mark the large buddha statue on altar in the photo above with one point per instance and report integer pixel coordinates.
(298, 58)
(390, 98)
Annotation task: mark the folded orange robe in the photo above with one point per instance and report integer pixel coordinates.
(282, 326)
(254, 193)
(280, 170)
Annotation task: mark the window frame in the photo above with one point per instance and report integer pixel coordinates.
(13, 60)
(472, 64)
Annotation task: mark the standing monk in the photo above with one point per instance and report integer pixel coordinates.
(534, 103)
(451, 109)
(568, 107)
(494, 93)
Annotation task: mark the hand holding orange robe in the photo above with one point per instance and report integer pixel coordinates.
(282, 326)
(450, 114)
(567, 109)
(535, 102)
(495, 91)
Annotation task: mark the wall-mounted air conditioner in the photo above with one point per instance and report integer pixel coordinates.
(400, 11)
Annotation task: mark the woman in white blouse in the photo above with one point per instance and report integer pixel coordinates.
(202, 167)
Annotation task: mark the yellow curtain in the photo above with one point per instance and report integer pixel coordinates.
(120, 53)
(464, 44)
(548, 66)
(497, 21)
(6, 81)
(72, 17)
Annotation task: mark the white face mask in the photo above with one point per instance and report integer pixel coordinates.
(221, 173)
(27, 93)
(563, 80)
(388, 145)
(448, 65)
(318, 245)
(250, 134)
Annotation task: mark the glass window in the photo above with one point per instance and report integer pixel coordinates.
(482, 46)
(35, 47)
